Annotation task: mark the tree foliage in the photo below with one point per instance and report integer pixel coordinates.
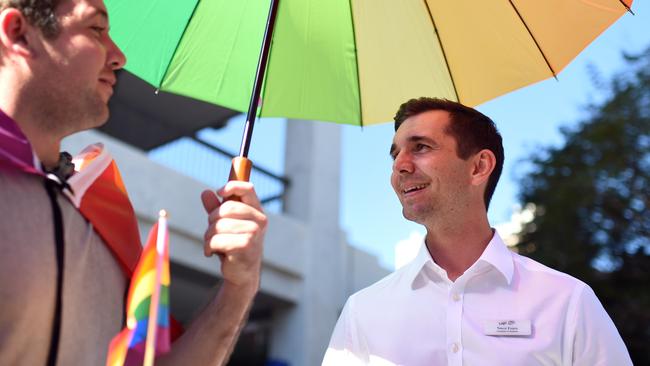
(592, 199)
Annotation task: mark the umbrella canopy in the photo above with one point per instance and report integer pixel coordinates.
(354, 61)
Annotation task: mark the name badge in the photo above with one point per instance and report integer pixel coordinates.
(507, 327)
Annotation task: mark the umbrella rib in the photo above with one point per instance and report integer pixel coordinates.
(548, 64)
(626, 7)
(164, 75)
(356, 56)
(442, 48)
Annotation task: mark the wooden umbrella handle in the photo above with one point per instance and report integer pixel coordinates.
(240, 170)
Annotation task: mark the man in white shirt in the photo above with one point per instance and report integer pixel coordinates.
(466, 299)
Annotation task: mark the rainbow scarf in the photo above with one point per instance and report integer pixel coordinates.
(147, 325)
(99, 192)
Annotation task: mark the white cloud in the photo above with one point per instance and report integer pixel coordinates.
(510, 230)
(407, 249)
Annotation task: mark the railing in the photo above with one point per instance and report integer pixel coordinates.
(210, 164)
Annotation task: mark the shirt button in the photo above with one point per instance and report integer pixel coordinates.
(454, 347)
(455, 297)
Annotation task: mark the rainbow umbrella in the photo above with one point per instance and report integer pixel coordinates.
(351, 61)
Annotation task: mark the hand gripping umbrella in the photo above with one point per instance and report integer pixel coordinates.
(350, 61)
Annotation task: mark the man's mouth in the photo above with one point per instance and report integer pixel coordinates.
(413, 188)
(107, 82)
(110, 80)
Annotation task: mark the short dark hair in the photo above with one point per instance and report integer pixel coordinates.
(472, 130)
(39, 13)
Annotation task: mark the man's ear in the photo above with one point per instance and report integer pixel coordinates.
(484, 163)
(13, 32)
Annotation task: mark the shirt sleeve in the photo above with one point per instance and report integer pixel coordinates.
(596, 340)
(342, 349)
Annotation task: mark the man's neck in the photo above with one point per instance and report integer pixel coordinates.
(457, 246)
(47, 149)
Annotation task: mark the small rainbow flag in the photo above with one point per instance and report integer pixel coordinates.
(147, 309)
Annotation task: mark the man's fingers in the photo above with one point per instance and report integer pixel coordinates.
(226, 243)
(234, 226)
(236, 210)
(244, 190)
(210, 201)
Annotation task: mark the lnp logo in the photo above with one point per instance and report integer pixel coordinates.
(507, 327)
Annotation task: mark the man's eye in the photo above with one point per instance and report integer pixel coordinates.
(98, 29)
(393, 154)
(420, 147)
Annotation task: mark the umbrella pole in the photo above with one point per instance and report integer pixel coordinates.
(241, 166)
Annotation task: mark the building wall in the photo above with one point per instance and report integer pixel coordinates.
(308, 269)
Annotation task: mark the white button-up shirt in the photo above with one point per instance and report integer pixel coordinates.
(504, 310)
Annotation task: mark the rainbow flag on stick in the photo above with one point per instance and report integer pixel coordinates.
(147, 324)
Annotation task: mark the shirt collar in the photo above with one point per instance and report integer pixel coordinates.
(496, 254)
(16, 153)
(418, 264)
(499, 256)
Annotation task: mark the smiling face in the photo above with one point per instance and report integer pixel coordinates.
(428, 177)
(74, 72)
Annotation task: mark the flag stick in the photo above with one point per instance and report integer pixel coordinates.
(161, 239)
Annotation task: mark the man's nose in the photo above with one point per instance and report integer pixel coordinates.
(115, 58)
(403, 163)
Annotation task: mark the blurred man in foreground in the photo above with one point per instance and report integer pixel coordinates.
(62, 285)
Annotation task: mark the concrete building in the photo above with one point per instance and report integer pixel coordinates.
(308, 267)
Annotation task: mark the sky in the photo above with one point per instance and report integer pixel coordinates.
(528, 119)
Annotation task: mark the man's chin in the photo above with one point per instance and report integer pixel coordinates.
(414, 215)
(94, 117)
(104, 117)
(99, 118)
